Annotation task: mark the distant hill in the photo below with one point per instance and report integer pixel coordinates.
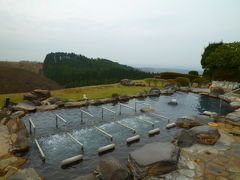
(73, 70)
(14, 80)
(159, 70)
(32, 66)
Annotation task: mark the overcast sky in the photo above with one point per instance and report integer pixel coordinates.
(164, 33)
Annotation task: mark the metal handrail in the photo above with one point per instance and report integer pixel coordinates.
(75, 140)
(126, 107)
(61, 118)
(123, 125)
(40, 150)
(85, 112)
(104, 132)
(109, 111)
(144, 120)
(141, 103)
(31, 124)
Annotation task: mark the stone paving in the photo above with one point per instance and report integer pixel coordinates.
(205, 162)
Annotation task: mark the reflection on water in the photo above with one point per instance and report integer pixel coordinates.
(58, 146)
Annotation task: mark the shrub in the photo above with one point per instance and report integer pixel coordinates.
(148, 81)
(183, 81)
(194, 73)
(171, 82)
(155, 81)
(200, 80)
(173, 75)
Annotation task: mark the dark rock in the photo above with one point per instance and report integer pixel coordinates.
(171, 86)
(127, 82)
(201, 134)
(142, 94)
(185, 89)
(25, 105)
(30, 97)
(205, 134)
(216, 91)
(194, 120)
(72, 104)
(124, 97)
(17, 114)
(173, 102)
(96, 101)
(54, 100)
(5, 113)
(154, 92)
(185, 138)
(37, 95)
(168, 91)
(110, 168)
(26, 174)
(233, 118)
(200, 90)
(47, 107)
(115, 95)
(235, 104)
(153, 159)
(109, 100)
(41, 94)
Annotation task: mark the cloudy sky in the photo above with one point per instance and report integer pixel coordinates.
(163, 33)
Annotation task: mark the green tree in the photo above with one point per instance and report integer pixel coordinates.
(195, 73)
(221, 61)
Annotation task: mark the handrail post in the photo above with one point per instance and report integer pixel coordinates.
(102, 113)
(120, 109)
(56, 121)
(81, 116)
(30, 127)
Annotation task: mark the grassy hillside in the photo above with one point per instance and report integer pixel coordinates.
(92, 92)
(14, 80)
(72, 70)
(32, 66)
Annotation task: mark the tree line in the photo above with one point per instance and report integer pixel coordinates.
(72, 70)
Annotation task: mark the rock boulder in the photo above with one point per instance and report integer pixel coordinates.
(26, 106)
(233, 118)
(192, 121)
(110, 168)
(235, 104)
(28, 173)
(205, 134)
(216, 91)
(153, 159)
(127, 82)
(154, 92)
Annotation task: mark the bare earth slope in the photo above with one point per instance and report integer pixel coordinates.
(14, 80)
